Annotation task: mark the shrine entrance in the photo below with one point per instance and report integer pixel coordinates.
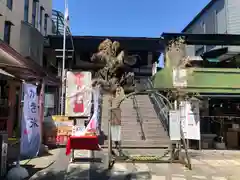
(142, 120)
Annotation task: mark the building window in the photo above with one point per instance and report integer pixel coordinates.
(9, 4)
(203, 27)
(199, 50)
(34, 12)
(26, 9)
(216, 21)
(7, 32)
(41, 18)
(54, 29)
(45, 24)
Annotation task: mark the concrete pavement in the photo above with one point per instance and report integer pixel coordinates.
(206, 166)
(50, 167)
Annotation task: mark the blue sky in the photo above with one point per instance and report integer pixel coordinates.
(129, 17)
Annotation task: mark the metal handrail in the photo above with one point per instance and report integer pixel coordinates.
(171, 108)
(165, 116)
(160, 105)
(139, 117)
(160, 112)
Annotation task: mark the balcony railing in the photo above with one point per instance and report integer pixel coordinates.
(202, 80)
(58, 23)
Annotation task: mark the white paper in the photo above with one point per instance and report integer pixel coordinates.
(174, 125)
(78, 130)
(190, 119)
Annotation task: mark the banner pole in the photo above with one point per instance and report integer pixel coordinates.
(63, 62)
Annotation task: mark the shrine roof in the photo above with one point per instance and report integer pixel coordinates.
(91, 43)
(205, 39)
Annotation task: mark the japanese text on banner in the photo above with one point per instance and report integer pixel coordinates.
(31, 136)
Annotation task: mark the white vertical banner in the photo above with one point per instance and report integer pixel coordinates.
(30, 124)
(190, 119)
(174, 125)
(93, 123)
(193, 120)
(183, 118)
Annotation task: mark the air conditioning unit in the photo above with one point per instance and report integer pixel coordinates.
(3, 153)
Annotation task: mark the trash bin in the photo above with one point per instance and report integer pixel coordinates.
(3, 153)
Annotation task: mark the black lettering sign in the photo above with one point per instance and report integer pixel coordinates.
(33, 122)
(31, 94)
(33, 107)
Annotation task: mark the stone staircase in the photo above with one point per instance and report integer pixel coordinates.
(141, 127)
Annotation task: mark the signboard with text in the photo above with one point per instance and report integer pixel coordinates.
(190, 119)
(78, 94)
(174, 125)
(30, 124)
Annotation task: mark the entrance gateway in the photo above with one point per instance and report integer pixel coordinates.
(152, 141)
(151, 132)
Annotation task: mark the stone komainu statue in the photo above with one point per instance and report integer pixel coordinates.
(114, 60)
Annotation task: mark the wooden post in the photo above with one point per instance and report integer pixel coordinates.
(41, 108)
(11, 104)
(109, 135)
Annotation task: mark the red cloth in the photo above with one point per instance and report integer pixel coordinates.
(82, 142)
(78, 107)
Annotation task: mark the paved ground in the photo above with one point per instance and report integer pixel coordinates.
(207, 165)
(50, 167)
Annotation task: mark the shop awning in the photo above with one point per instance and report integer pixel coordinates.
(219, 54)
(215, 53)
(5, 73)
(204, 39)
(23, 68)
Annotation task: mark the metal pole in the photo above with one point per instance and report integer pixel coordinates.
(63, 63)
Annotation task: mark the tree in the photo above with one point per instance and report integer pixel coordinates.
(115, 61)
(178, 61)
(112, 77)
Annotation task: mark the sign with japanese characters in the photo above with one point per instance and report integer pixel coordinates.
(78, 94)
(190, 119)
(30, 124)
(174, 125)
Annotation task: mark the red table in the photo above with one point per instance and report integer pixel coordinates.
(83, 143)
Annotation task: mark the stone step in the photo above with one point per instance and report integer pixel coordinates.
(131, 131)
(159, 127)
(145, 143)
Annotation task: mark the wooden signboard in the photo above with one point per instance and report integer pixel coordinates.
(63, 128)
